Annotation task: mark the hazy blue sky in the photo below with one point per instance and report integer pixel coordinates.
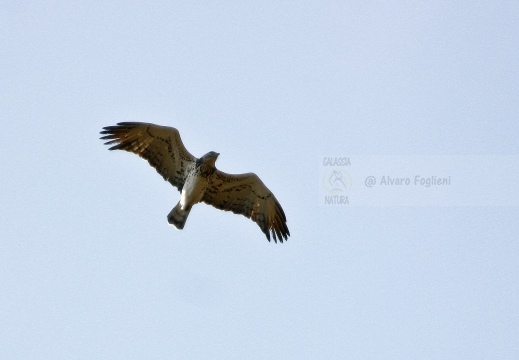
(89, 267)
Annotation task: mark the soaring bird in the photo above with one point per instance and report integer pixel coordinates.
(198, 179)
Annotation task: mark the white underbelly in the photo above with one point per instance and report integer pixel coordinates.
(193, 191)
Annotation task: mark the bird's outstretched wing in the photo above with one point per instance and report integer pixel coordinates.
(160, 145)
(247, 195)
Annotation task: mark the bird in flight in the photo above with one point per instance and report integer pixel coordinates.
(198, 180)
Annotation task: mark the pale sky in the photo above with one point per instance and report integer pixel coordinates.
(89, 267)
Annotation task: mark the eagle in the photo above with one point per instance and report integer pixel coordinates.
(198, 179)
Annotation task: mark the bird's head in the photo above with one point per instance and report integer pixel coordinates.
(209, 158)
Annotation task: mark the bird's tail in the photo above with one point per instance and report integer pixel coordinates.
(178, 217)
